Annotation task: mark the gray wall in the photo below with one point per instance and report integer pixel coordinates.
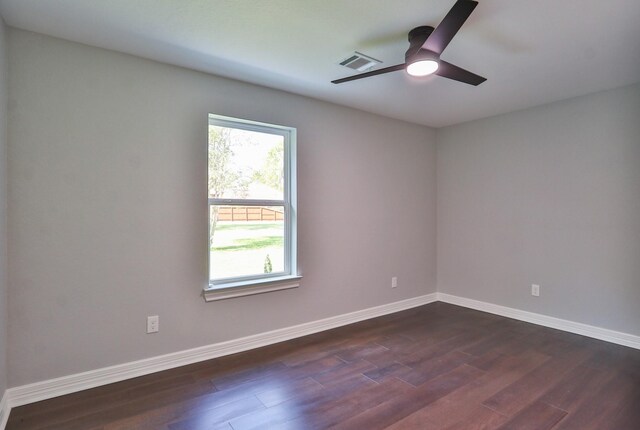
(108, 210)
(3, 212)
(549, 195)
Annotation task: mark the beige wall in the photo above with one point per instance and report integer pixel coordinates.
(3, 213)
(549, 195)
(108, 211)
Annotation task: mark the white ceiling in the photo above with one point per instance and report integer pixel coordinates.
(531, 52)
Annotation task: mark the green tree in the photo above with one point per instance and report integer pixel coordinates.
(222, 178)
(272, 171)
(268, 267)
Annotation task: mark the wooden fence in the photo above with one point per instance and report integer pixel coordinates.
(249, 213)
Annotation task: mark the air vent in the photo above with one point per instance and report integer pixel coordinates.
(360, 62)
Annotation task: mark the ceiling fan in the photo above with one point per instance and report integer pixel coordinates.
(425, 47)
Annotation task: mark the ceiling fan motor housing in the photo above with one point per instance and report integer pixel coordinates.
(423, 30)
(417, 37)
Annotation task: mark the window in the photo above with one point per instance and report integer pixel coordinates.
(252, 212)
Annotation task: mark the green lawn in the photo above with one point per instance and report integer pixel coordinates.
(252, 243)
(241, 248)
(241, 226)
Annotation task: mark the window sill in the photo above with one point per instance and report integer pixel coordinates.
(248, 288)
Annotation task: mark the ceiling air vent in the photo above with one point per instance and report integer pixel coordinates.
(360, 62)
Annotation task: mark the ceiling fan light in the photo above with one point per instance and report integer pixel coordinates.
(422, 67)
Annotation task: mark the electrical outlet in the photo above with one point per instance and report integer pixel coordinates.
(535, 290)
(394, 282)
(153, 324)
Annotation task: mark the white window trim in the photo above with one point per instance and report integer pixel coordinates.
(248, 288)
(262, 283)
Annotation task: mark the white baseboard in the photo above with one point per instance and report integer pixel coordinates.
(612, 336)
(4, 411)
(35, 392)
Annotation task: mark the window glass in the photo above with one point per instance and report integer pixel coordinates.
(251, 209)
(245, 164)
(247, 241)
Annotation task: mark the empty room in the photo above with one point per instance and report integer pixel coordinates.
(315, 214)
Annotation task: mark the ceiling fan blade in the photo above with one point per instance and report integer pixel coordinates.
(448, 70)
(442, 35)
(372, 73)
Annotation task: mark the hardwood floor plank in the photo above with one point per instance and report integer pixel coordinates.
(395, 369)
(575, 388)
(269, 392)
(395, 409)
(426, 370)
(495, 342)
(110, 411)
(279, 372)
(360, 352)
(220, 414)
(537, 416)
(606, 406)
(95, 399)
(340, 373)
(447, 411)
(300, 405)
(628, 416)
(429, 352)
(332, 411)
(260, 372)
(527, 389)
(281, 393)
(478, 418)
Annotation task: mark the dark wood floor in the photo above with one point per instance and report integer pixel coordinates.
(434, 367)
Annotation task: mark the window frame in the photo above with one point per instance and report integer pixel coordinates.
(254, 284)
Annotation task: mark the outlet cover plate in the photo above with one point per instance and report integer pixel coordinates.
(153, 324)
(535, 290)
